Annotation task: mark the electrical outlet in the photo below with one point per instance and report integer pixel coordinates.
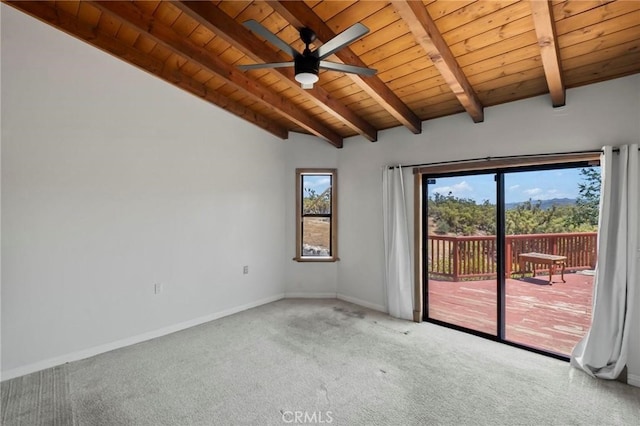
(245, 269)
(157, 288)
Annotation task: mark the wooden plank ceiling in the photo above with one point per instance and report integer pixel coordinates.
(433, 58)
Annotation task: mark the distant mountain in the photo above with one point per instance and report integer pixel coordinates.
(545, 204)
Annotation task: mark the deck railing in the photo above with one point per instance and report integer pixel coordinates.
(458, 258)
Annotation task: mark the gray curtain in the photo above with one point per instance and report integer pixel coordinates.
(398, 277)
(603, 351)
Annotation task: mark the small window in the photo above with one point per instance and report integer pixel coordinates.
(316, 220)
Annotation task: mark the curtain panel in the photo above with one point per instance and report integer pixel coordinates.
(603, 351)
(397, 249)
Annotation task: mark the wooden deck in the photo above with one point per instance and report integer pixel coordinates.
(550, 317)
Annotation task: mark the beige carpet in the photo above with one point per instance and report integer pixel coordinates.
(327, 361)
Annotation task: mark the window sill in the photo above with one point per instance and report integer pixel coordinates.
(316, 259)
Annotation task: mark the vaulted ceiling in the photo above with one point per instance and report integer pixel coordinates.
(433, 58)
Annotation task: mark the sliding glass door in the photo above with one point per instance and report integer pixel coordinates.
(461, 251)
(550, 239)
(510, 254)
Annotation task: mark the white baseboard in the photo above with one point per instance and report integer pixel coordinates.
(633, 380)
(361, 302)
(301, 295)
(339, 296)
(86, 353)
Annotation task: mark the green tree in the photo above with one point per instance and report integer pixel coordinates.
(461, 216)
(314, 203)
(531, 218)
(585, 213)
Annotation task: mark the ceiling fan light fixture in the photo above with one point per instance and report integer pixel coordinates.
(306, 78)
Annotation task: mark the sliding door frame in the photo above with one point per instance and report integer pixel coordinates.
(424, 262)
(421, 233)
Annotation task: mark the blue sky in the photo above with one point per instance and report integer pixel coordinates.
(521, 186)
(317, 183)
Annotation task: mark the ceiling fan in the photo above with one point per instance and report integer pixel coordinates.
(307, 64)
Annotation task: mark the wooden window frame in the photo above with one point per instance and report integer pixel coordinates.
(333, 215)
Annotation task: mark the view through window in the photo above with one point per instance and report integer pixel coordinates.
(316, 220)
(511, 254)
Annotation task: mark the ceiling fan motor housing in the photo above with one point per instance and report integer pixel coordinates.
(307, 63)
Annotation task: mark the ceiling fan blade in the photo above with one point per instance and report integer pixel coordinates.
(258, 28)
(352, 33)
(347, 68)
(269, 65)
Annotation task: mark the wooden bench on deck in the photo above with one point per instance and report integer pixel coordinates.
(543, 259)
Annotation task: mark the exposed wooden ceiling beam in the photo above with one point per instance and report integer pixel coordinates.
(182, 46)
(424, 29)
(299, 14)
(544, 23)
(94, 36)
(217, 21)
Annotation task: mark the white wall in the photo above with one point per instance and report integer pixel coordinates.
(113, 181)
(307, 279)
(602, 114)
